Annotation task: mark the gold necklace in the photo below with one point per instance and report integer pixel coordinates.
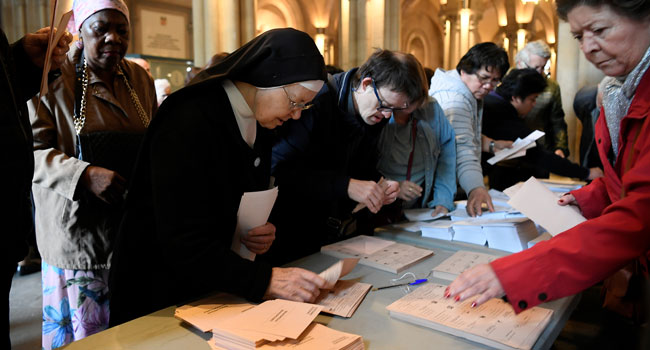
(80, 121)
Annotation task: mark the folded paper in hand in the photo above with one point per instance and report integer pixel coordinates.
(517, 148)
(254, 211)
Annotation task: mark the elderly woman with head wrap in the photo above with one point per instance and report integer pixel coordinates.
(86, 137)
(209, 144)
(615, 37)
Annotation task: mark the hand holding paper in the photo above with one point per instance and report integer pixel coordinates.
(517, 147)
(254, 211)
(35, 45)
(538, 203)
(259, 239)
(294, 283)
(338, 270)
(367, 193)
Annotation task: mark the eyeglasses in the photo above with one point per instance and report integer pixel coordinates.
(296, 105)
(539, 70)
(487, 80)
(381, 106)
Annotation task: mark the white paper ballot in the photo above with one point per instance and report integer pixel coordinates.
(422, 214)
(254, 211)
(539, 204)
(517, 146)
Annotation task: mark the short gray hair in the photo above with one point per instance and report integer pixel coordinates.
(537, 47)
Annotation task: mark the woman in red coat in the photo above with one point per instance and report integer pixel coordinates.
(615, 37)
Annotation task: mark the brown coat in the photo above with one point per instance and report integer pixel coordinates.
(69, 235)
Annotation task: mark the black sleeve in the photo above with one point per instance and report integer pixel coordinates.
(304, 155)
(544, 159)
(27, 83)
(194, 167)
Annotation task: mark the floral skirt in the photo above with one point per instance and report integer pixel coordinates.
(75, 304)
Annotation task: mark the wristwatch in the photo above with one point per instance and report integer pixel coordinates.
(491, 147)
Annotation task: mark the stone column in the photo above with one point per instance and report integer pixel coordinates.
(247, 25)
(353, 33)
(392, 15)
(216, 27)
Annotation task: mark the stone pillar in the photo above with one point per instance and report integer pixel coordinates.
(217, 27)
(353, 34)
(392, 15)
(446, 44)
(573, 72)
(198, 28)
(228, 21)
(247, 25)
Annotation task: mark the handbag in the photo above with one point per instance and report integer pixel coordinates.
(113, 150)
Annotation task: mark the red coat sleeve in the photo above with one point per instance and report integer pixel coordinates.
(584, 255)
(593, 198)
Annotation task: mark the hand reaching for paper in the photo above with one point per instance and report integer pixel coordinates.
(567, 199)
(295, 284)
(259, 239)
(35, 46)
(440, 210)
(477, 197)
(479, 281)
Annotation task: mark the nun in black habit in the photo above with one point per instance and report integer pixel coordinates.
(208, 144)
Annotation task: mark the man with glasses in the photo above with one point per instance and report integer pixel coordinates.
(325, 164)
(547, 115)
(460, 93)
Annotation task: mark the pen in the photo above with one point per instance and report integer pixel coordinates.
(402, 284)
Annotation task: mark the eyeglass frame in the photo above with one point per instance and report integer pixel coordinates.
(295, 105)
(543, 69)
(381, 106)
(488, 80)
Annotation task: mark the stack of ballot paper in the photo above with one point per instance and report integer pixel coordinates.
(344, 298)
(518, 149)
(462, 260)
(236, 324)
(378, 253)
(493, 323)
(317, 337)
(440, 229)
(469, 232)
(500, 212)
(271, 321)
(341, 297)
(511, 235)
(422, 214)
(411, 226)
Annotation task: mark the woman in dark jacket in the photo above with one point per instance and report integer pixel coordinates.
(503, 113)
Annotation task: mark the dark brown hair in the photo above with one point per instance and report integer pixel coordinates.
(397, 71)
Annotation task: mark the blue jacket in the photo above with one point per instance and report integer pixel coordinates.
(436, 139)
